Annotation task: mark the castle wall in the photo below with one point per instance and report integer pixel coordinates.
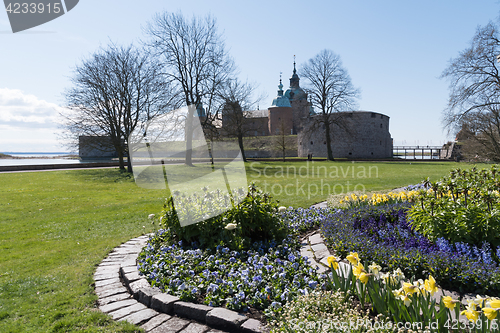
(364, 135)
(280, 119)
(300, 109)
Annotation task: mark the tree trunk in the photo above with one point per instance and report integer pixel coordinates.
(129, 163)
(240, 143)
(189, 136)
(328, 141)
(120, 158)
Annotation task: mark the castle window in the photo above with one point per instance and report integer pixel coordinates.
(372, 153)
(381, 126)
(350, 153)
(381, 116)
(300, 143)
(373, 115)
(311, 142)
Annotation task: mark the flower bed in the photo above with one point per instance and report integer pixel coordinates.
(383, 234)
(263, 275)
(266, 276)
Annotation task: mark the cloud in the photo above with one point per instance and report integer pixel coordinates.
(21, 111)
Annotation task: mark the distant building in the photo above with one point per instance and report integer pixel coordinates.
(96, 147)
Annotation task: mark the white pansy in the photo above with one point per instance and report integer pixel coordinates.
(230, 226)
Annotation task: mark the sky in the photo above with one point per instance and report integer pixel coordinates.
(394, 52)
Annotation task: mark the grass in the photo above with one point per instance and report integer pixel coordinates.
(302, 184)
(57, 226)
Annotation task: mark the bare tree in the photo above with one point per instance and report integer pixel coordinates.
(330, 90)
(195, 62)
(237, 120)
(113, 91)
(479, 136)
(283, 141)
(474, 99)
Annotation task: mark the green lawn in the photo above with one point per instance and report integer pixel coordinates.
(301, 184)
(56, 226)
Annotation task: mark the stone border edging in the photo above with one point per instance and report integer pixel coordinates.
(125, 295)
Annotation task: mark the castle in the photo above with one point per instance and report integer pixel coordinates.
(355, 134)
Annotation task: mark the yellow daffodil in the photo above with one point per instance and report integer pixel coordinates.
(490, 313)
(363, 277)
(430, 285)
(405, 299)
(357, 270)
(471, 312)
(494, 303)
(422, 291)
(332, 261)
(409, 288)
(374, 268)
(398, 292)
(479, 301)
(398, 274)
(449, 302)
(353, 258)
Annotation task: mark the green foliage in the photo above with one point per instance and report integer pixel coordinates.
(463, 207)
(255, 218)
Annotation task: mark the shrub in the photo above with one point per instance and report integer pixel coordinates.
(464, 207)
(254, 219)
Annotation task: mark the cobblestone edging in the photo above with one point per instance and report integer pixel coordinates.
(125, 295)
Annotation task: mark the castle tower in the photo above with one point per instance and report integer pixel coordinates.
(298, 100)
(280, 114)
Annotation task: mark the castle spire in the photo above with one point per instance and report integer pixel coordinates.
(280, 91)
(281, 100)
(294, 80)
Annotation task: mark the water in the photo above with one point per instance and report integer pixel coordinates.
(40, 155)
(417, 157)
(42, 159)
